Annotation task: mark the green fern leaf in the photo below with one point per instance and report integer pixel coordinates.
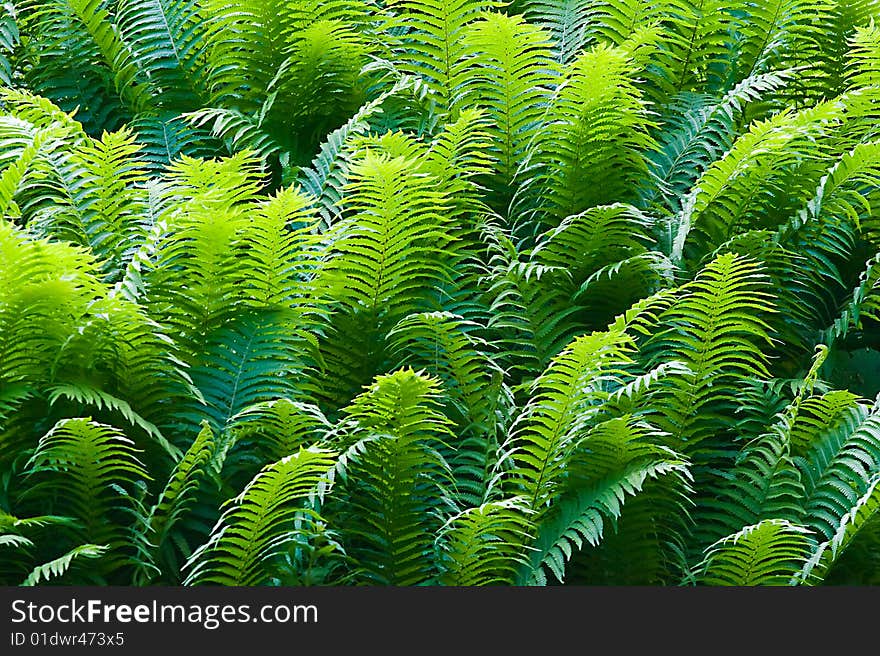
(258, 523)
(768, 553)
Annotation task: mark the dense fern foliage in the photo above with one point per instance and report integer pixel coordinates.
(422, 292)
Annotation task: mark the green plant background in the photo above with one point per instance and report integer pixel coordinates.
(439, 292)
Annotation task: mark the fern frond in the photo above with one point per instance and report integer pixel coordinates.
(567, 21)
(779, 34)
(484, 545)
(397, 214)
(159, 536)
(512, 76)
(864, 57)
(436, 48)
(598, 131)
(763, 484)
(711, 333)
(701, 49)
(325, 178)
(251, 358)
(384, 262)
(768, 553)
(837, 463)
(725, 200)
(863, 306)
(700, 129)
(111, 198)
(100, 400)
(599, 236)
(82, 469)
(88, 26)
(165, 136)
(564, 400)
(59, 566)
(531, 314)
(9, 39)
(167, 42)
(449, 347)
(270, 430)
(389, 505)
(610, 463)
(83, 330)
(859, 517)
(259, 523)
